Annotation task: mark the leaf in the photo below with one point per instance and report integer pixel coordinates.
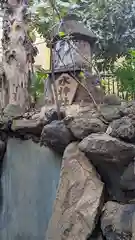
(81, 74)
(61, 34)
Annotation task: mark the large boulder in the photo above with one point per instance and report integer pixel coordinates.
(52, 115)
(13, 111)
(24, 126)
(110, 156)
(127, 180)
(79, 198)
(56, 135)
(118, 221)
(123, 128)
(110, 113)
(82, 126)
(128, 109)
(103, 148)
(112, 99)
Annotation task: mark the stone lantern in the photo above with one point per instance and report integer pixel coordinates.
(73, 46)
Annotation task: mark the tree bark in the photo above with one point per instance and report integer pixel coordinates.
(18, 52)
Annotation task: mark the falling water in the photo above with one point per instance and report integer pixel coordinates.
(29, 183)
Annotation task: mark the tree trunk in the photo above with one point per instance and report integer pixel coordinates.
(18, 51)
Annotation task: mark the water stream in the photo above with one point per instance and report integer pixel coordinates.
(29, 183)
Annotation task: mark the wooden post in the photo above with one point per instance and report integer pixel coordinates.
(52, 68)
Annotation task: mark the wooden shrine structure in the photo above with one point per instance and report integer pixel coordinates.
(73, 46)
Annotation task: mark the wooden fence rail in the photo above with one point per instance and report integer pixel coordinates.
(112, 86)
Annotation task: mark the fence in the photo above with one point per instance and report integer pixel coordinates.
(112, 86)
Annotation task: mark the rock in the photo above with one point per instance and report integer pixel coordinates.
(42, 113)
(127, 180)
(52, 115)
(112, 99)
(105, 148)
(97, 237)
(33, 114)
(49, 113)
(123, 128)
(76, 110)
(24, 126)
(81, 127)
(118, 221)
(13, 111)
(79, 198)
(128, 109)
(123, 103)
(36, 116)
(56, 135)
(110, 113)
(110, 156)
(73, 110)
(97, 233)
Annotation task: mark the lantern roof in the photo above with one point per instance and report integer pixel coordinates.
(70, 25)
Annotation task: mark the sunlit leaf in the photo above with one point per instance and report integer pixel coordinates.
(61, 34)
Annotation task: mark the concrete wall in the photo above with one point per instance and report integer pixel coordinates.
(43, 57)
(29, 182)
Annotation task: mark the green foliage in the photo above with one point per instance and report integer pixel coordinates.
(125, 73)
(42, 14)
(114, 24)
(37, 84)
(112, 21)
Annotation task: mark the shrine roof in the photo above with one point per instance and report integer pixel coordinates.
(70, 25)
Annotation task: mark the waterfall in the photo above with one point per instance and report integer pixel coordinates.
(29, 184)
